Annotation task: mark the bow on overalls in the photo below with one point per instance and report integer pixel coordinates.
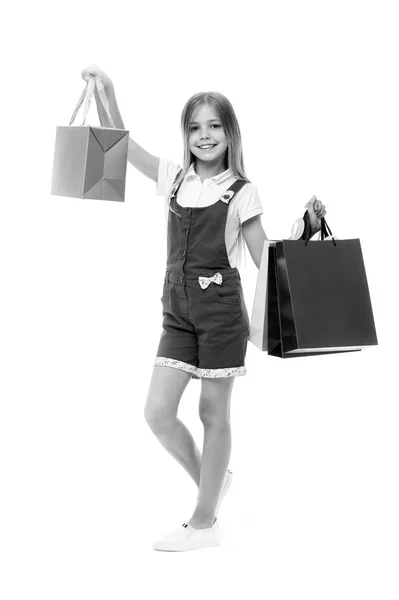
(205, 281)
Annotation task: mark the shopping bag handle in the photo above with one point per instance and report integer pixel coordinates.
(87, 95)
(307, 232)
(325, 230)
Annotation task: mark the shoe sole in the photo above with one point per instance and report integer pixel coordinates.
(172, 543)
(168, 548)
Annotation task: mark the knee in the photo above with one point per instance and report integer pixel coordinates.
(214, 405)
(157, 419)
(212, 417)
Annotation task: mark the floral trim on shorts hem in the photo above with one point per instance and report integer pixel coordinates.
(228, 372)
(197, 373)
(176, 364)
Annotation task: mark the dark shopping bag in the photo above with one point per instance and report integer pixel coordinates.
(318, 297)
(258, 334)
(90, 161)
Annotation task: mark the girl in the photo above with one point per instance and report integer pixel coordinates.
(210, 203)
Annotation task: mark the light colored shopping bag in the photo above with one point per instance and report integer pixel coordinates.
(258, 326)
(90, 162)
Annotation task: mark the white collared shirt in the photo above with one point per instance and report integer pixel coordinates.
(192, 192)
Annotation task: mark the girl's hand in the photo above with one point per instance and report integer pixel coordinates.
(95, 70)
(316, 211)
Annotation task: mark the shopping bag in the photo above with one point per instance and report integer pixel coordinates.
(258, 333)
(318, 298)
(90, 162)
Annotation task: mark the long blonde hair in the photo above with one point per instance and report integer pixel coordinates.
(234, 156)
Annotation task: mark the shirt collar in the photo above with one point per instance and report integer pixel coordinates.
(191, 174)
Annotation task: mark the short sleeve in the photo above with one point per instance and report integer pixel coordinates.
(167, 172)
(250, 204)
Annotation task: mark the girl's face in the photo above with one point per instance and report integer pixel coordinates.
(206, 128)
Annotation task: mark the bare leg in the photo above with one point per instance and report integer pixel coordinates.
(215, 460)
(208, 471)
(178, 441)
(166, 388)
(215, 416)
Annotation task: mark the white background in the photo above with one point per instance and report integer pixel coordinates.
(86, 486)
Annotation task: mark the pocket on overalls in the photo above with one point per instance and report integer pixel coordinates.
(165, 291)
(227, 293)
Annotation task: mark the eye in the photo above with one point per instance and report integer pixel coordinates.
(195, 126)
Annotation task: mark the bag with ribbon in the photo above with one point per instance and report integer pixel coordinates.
(90, 161)
(312, 298)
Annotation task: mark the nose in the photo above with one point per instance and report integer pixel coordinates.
(205, 135)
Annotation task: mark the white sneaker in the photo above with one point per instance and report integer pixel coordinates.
(188, 538)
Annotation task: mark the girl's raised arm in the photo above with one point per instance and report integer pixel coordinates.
(137, 156)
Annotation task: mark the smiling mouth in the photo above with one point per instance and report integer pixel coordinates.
(208, 147)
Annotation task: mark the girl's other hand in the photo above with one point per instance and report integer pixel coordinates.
(92, 70)
(316, 211)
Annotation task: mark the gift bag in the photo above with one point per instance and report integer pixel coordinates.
(90, 161)
(318, 297)
(258, 334)
(259, 326)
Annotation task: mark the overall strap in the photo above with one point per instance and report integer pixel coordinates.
(233, 189)
(226, 196)
(173, 189)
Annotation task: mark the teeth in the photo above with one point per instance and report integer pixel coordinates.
(208, 146)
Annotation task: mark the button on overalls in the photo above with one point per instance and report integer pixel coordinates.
(205, 320)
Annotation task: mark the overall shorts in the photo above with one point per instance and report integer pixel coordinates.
(205, 320)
